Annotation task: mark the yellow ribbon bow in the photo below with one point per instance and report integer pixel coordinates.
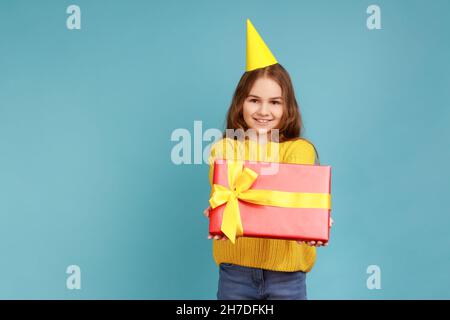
(240, 180)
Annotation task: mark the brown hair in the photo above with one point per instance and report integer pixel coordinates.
(291, 126)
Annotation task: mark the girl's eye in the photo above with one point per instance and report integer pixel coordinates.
(275, 102)
(253, 100)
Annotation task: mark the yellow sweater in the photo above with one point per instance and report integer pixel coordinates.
(270, 254)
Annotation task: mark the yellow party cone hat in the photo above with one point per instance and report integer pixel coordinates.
(258, 54)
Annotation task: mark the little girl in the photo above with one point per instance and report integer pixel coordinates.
(264, 101)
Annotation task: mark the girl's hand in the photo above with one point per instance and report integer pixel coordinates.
(210, 236)
(313, 243)
(217, 237)
(318, 243)
(206, 211)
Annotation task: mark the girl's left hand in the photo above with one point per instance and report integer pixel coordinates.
(318, 243)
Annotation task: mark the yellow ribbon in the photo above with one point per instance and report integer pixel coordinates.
(240, 180)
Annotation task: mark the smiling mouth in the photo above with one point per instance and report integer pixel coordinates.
(262, 121)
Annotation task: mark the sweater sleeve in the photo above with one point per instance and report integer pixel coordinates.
(301, 151)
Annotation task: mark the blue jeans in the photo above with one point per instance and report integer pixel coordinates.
(245, 283)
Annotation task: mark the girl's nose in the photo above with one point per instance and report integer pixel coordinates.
(264, 109)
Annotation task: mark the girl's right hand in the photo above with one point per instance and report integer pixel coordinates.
(210, 236)
(206, 211)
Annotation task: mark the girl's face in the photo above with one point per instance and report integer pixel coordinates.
(263, 107)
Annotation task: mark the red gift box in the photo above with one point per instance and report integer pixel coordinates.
(309, 185)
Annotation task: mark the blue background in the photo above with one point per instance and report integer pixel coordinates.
(86, 118)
